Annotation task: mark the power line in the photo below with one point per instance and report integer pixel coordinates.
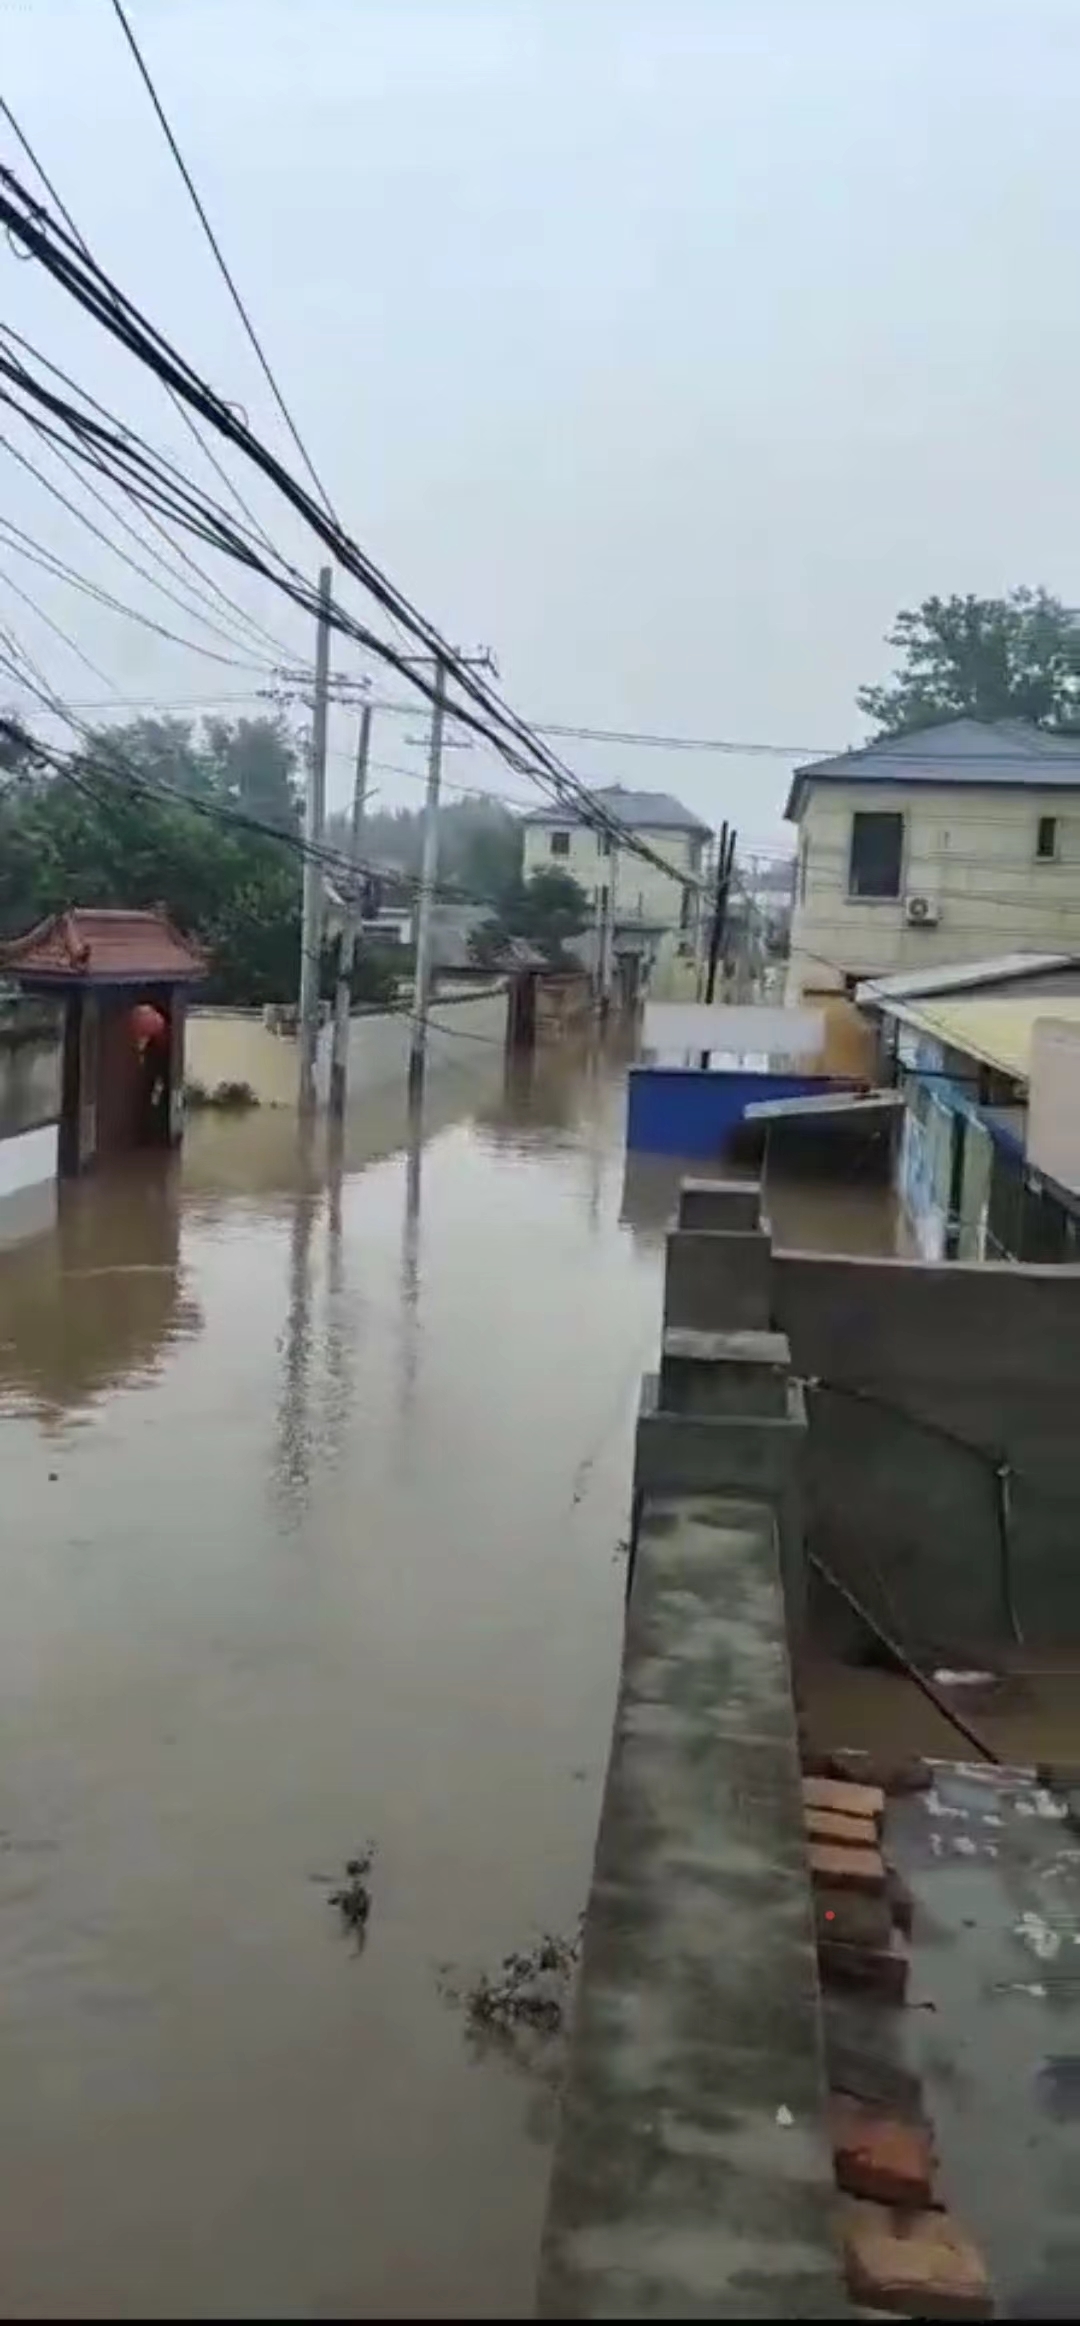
(208, 620)
(220, 257)
(515, 741)
(38, 555)
(11, 584)
(174, 399)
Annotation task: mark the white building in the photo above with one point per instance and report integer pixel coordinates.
(652, 912)
(941, 846)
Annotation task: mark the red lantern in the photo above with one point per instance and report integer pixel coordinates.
(148, 1025)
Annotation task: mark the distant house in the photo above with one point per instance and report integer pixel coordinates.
(934, 847)
(653, 913)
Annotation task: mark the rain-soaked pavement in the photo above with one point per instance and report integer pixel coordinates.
(312, 1493)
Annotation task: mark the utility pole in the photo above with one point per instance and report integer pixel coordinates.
(429, 865)
(429, 861)
(339, 1057)
(604, 916)
(314, 820)
(725, 858)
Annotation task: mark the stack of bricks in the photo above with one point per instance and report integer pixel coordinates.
(903, 2252)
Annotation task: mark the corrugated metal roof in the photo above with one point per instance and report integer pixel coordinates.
(957, 976)
(999, 1033)
(644, 811)
(973, 752)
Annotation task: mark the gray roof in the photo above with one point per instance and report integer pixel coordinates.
(645, 811)
(961, 976)
(1000, 752)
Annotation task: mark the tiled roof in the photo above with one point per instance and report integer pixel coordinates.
(998, 753)
(644, 811)
(106, 947)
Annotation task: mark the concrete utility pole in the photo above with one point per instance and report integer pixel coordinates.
(429, 865)
(604, 917)
(314, 821)
(725, 859)
(339, 1058)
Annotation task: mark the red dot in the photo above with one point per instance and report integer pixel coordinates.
(830, 1915)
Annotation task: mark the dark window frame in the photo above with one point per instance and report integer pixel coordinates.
(560, 844)
(1046, 828)
(885, 883)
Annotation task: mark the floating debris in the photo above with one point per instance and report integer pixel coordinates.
(352, 1896)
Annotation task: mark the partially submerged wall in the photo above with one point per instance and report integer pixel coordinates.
(235, 1046)
(923, 1379)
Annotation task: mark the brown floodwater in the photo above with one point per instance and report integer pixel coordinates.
(313, 1488)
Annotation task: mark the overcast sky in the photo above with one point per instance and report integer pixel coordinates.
(667, 346)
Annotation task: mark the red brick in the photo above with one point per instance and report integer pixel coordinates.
(867, 1801)
(879, 2156)
(879, 1970)
(922, 2264)
(828, 1825)
(849, 1869)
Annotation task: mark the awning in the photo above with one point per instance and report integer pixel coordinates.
(845, 1103)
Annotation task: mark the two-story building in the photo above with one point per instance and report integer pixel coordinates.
(654, 916)
(947, 845)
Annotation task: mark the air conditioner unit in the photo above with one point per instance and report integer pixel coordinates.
(921, 912)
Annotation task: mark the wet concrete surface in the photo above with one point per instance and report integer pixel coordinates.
(992, 2023)
(312, 1497)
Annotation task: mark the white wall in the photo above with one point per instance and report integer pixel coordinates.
(1053, 1124)
(641, 890)
(28, 1167)
(972, 850)
(234, 1046)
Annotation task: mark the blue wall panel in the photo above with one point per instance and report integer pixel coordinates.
(693, 1110)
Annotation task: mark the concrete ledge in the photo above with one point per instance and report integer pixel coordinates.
(717, 1279)
(724, 1373)
(717, 1453)
(720, 1203)
(693, 2173)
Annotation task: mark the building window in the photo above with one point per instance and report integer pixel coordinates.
(560, 843)
(1046, 840)
(800, 875)
(685, 906)
(877, 850)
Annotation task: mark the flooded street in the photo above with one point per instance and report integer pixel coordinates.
(314, 1489)
(313, 1493)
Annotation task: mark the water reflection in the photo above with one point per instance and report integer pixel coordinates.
(96, 1301)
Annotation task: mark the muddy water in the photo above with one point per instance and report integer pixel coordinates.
(312, 1491)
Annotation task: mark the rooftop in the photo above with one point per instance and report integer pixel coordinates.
(644, 811)
(1004, 753)
(105, 947)
(961, 976)
(998, 1033)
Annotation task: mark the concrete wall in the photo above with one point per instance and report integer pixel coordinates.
(234, 1046)
(971, 848)
(693, 2174)
(984, 1353)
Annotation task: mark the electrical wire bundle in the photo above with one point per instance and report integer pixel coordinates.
(160, 489)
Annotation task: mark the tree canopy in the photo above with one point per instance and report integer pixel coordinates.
(91, 839)
(1016, 657)
(549, 908)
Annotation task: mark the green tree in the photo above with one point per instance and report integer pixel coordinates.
(1016, 657)
(548, 909)
(89, 837)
